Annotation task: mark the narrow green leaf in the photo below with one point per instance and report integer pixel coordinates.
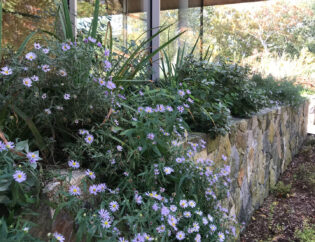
(95, 19)
(23, 45)
(66, 16)
(39, 139)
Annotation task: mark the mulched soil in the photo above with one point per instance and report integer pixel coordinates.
(279, 217)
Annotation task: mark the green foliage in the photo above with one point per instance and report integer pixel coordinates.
(281, 92)
(76, 92)
(306, 234)
(218, 89)
(281, 190)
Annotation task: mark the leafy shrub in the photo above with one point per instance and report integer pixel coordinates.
(140, 182)
(279, 92)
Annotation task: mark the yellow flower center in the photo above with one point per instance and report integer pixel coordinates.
(75, 190)
(19, 176)
(73, 163)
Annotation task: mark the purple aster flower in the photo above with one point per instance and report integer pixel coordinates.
(65, 46)
(210, 218)
(204, 221)
(47, 111)
(6, 71)
(32, 157)
(19, 176)
(30, 56)
(99, 44)
(169, 108)
(83, 132)
(196, 227)
(180, 159)
(66, 96)
(110, 85)
(172, 221)
(148, 110)
(91, 39)
(27, 82)
(101, 187)
(198, 238)
(138, 199)
(89, 139)
(113, 206)
(74, 164)
(183, 203)
(180, 109)
(2, 146)
(107, 65)
(168, 170)
(75, 191)
(160, 108)
(62, 72)
(35, 78)
(106, 223)
(86, 40)
(180, 235)
(90, 174)
(46, 50)
(101, 82)
(186, 105)
(225, 171)
(106, 52)
(224, 157)
(188, 92)
(150, 136)
(93, 189)
(190, 153)
(192, 204)
(187, 214)
(104, 214)
(181, 93)
(119, 148)
(173, 208)
(59, 237)
(221, 236)
(45, 68)
(190, 100)
(160, 229)
(138, 238)
(37, 46)
(165, 211)
(155, 207)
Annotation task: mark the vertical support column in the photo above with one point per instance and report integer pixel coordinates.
(201, 28)
(152, 7)
(125, 26)
(182, 19)
(73, 15)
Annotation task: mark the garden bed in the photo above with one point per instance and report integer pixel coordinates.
(288, 214)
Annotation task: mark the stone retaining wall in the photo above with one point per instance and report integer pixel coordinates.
(258, 149)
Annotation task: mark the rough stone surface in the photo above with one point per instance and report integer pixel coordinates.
(258, 149)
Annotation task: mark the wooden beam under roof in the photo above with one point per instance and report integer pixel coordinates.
(136, 5)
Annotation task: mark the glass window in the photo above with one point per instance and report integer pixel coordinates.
(128, 19)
